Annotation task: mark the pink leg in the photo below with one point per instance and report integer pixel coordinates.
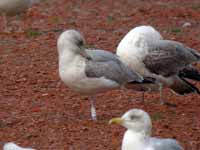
(93, 109)
(5, 23)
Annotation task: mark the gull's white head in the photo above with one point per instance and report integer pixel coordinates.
(136, 120)
(13, 146)
(148, 32)
(139, 37)
(71, 41)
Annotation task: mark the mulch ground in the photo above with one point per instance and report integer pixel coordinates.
(38, 110)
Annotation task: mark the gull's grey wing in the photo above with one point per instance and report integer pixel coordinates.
(102, 55)
(106, 64)
(169, 57)
(165, 144)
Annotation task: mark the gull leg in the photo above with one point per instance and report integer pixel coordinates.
(20, 24)
(143, 96)
(93, 109)
(124, 94)
(5, 23)
(162, 102)
(161, 94)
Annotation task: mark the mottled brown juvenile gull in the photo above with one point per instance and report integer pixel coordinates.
(138, 134)
(91, 71)
(14, 7)
(145, 51)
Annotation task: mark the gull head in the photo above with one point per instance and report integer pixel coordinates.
(140, 37)
(136, 120)
(148, 32)
(71, 41)
(145, 34)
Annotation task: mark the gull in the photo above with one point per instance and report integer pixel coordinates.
(13, 7)
(145, 51)
(13, 146)
(138, 134)
(92, 71)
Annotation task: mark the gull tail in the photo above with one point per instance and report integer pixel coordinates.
(190, 73)
(182, 87)
(145, 85)
(146, 80)
(194, 52)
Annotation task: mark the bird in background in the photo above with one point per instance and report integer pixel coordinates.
(138, 134)
(90, 72)
(144, 50)
(12, 8)
(13, 146)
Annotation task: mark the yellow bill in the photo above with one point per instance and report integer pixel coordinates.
(116, 121)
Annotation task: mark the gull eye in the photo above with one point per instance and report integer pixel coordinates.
(132, 117)
(80, 43)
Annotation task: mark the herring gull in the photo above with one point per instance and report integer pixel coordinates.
(138, 134)
(91, 71)
(13, 7)
(13, 146)
(145, 51)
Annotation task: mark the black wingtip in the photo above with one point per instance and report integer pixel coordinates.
(187, 88)
(193, 89)
(190, 73)
(147, 80)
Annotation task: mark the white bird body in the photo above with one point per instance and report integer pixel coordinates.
(72, 73)
(140, 141)
(134, 56)
(132, 52)
(13, 146)
(134, 59)
(138, 133)
(133, 141)
(134, 47)
(91, 71)
(145, 51)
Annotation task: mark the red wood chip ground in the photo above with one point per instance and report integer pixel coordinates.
(39, 111)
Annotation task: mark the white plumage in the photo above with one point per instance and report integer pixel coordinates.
(90, 71)
(13, 146)
(134, 46)
(138, 133)
(145, 51)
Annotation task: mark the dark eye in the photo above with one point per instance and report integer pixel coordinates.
(80, 43)
(132, 117)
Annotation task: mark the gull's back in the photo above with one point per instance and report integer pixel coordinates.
(101, 55)
(164, 144)
(118, 71)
